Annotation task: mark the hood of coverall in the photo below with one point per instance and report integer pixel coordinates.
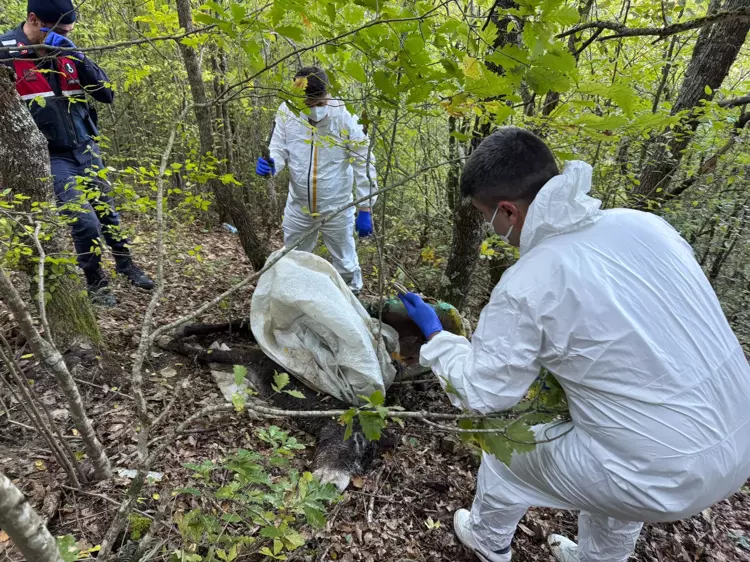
(562, 205)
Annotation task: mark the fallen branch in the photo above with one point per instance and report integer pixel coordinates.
(102, 497)
(625, 31)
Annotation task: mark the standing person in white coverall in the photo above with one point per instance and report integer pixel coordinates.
(326, 152)
(615, 305)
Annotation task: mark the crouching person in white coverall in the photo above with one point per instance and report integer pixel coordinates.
(615, 305)
(326, 152)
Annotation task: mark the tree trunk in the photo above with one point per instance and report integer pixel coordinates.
(467, 221)
(25, 168)
(734, 233)
(552, 99)
(467, 238)
(51, 357)
(227, 203)
(24, 526)
(715, 51)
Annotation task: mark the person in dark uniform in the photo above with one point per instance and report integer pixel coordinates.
(54, 82)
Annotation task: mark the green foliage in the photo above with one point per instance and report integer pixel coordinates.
(372, 416)
(545, 403)
(70, 551)
(138, 525)
(239, 398)
(262, 511)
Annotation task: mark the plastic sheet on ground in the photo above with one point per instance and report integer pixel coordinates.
(307, 320)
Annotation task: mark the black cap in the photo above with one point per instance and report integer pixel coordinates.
(52, 11)
(317, 81)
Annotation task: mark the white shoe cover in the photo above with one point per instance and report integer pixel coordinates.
(563, 549)
(462, 528)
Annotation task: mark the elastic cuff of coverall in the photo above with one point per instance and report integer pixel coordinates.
(434, 348)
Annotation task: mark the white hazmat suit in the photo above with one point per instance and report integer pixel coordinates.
(615, 305)
(324, 160)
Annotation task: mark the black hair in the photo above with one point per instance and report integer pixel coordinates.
(511, 164)
(317, 81)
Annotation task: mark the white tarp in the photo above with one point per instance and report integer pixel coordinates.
(307, 320)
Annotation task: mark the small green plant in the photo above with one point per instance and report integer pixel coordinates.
(248, 507)
(372, 416)
(70, 550)
(138, 526)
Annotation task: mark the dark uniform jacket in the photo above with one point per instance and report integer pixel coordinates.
(54, 90)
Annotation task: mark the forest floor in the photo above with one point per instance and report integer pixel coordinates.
(401, 511)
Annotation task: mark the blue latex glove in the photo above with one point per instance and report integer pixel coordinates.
(265, 167)
(363, 224)
(422, 314)
(56, 40)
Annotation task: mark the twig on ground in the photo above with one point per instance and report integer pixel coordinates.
(101, 497)
(103, 388)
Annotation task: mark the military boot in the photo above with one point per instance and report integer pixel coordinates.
(125, 266)
(97, 286)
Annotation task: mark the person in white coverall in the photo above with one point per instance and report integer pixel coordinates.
(615, 305)
(326, 152)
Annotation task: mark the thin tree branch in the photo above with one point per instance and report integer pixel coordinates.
(144, 344)
(624, 31)
(588, 42)
(122, 44)
(24, 526)
(66, 461)
(40, 287)
(734, 102)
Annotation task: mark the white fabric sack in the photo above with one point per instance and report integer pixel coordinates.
(307, 320)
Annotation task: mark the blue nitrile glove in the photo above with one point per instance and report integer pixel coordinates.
(363, 224)
(265, 167)
(422, 314)
(56, 40)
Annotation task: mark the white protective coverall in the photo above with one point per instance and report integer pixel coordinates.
(615, 305)
(323, 162)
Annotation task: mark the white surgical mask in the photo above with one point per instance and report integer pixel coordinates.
(318, 112)
(490, 228)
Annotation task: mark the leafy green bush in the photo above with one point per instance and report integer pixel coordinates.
(248, 506)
